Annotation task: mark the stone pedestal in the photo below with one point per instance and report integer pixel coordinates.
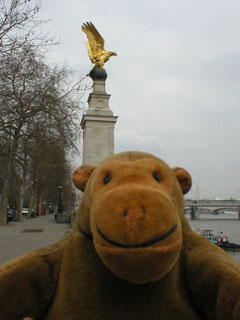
(98, 126)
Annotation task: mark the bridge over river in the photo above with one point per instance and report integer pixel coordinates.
(196, 207)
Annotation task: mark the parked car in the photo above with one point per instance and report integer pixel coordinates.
(25, 211)
(11, 215)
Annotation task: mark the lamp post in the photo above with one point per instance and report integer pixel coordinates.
(60, 209)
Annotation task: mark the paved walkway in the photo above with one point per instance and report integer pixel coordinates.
(14, 242)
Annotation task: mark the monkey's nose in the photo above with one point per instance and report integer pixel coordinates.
(134, 212)
(133, 217)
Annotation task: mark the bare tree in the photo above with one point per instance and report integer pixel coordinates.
(53, 169)
(19, 24)
(33, 94)
(48, 165)
(34, 99)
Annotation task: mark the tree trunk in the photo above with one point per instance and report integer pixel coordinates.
(20, 201)
(22, 189)
(5, 195)
(30, 208)
(36, 200)
(6, 183)
(31, 205)
(41, 201)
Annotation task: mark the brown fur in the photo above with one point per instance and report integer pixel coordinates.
(132, 254)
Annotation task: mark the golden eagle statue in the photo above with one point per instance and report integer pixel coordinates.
(95, 45)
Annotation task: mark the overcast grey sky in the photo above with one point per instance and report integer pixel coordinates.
(175, 83)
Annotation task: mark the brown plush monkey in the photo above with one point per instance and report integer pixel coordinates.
(131, 255)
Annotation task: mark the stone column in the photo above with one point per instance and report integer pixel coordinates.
(98, 122)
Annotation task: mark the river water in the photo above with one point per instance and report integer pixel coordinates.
(226, 223)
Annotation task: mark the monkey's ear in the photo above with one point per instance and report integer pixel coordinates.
(81, 175)
(183, 178)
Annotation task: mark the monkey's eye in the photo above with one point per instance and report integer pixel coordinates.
(157, 177)
(107, 178)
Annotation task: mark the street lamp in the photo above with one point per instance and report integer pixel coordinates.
(60, 209)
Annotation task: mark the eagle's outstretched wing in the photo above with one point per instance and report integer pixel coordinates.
(95, 44)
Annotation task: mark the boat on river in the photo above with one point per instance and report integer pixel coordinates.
(219, 239)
